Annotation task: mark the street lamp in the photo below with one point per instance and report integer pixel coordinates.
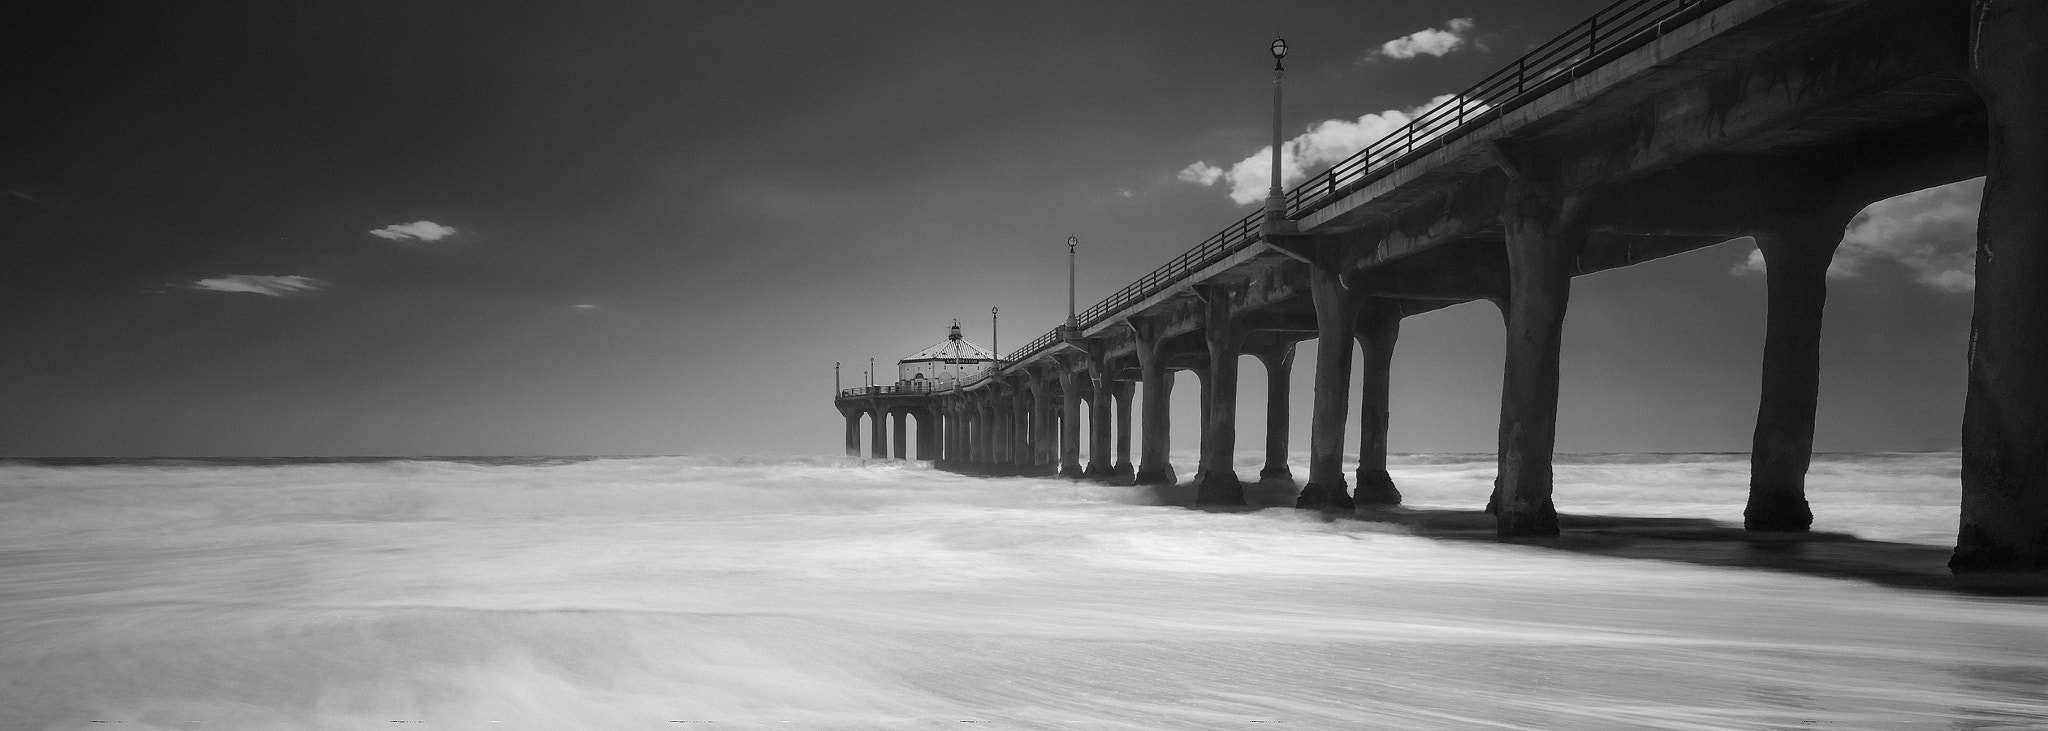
(1276, 202)
(1071, 243)
(995, 341)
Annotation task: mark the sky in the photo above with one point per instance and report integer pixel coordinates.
(400, 228)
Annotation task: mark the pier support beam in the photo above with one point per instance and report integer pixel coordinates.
(1335, 314)
(1100, 408)
(1278, 359)
(852, 434)
(899, 450)
(1070, 417)
(1216, 480)
(2004, 526)
(1003, 429)
(1043, 435)
(1377, 327)
(1122, 468)
(1016, 446)
(1545, 230)
(1153, 465)
(878, 448)
(928, 434)
(1796, 253)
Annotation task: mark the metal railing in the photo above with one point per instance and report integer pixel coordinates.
(1614, 30)
(1611, 32)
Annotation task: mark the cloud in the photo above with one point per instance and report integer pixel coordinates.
(585, 306)
(417, 230)
(1931, 233)
(1325, 142)
(1428, 41)
(275, 286)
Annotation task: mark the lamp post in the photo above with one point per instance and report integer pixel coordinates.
(835, 378)
(871, 374)
(1071, 243)
(1276, 201)
(995, 341)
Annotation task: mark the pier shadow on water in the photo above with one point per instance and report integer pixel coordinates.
(1685, 540)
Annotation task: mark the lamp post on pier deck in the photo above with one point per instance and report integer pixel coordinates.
(1071, 243)
(1276, 201)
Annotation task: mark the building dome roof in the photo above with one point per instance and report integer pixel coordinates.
(953, 347)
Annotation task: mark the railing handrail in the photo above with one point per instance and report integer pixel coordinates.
(1625, 25)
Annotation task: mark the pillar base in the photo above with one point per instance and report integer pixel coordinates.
(1526, 519)
(1325, 497)
(1073, 472)
(1218, 487)
(1276, 474)
(1154, 477)
(1980, 558)
(1376, 487)
(1123, 469)
(1781, 512)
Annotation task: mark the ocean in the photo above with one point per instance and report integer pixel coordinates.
(838, 593)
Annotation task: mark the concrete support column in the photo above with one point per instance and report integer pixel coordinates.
(1043, 438)
(1122, 468)
(1279, 363)
(901, 418)
(1100, 408)
(878, 448)
(2004, 526)
(1016, 431)
(1000, 430)
(956, 430)
(1154, 467)
(990, 447)
(852, 434)
(1216, 480)
(1378, 325)
(924, 434)
(1544, 235)
(1070, 420)
(1796, 255)
(1336, 311)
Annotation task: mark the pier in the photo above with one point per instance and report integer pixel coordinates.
(1654, 128)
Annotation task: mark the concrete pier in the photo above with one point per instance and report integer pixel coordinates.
(1796, 253)
(1277, 357)
(1544, 233)
(1335, 311)
(1069, 373)
(1216, 480)
(1153, 465)
(1651, 130)
(2004, 527)
(1123, 392)
(1101, 410)
(1377, 327)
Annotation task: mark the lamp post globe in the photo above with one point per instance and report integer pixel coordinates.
(1279, 49)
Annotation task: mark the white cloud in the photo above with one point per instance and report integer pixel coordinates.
(275, 286)
(1931, 233)
(417, 230)
(1428, 41)
(1325, 142)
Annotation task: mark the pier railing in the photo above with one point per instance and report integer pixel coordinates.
(1615, 30)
